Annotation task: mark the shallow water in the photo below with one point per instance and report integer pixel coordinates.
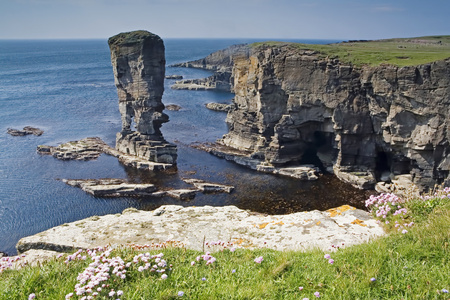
(67, 89)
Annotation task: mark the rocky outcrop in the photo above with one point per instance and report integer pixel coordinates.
(219, 106)
(295, 106)
(115, 187)
(193, 226)
(92, 147)
(138, 61)
(25, 131)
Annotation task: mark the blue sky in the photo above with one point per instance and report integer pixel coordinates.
(288, 19)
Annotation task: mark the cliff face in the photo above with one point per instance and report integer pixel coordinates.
(293, 106)
(138, 61)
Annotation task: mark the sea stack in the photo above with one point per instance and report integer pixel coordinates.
(138, 61)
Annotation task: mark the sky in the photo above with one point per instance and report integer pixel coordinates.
(269, 19)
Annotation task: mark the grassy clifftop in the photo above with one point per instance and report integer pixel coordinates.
(399, 52)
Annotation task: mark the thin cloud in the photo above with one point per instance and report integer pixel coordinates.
(387, 8)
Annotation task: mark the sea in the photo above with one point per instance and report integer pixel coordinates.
(66, 88)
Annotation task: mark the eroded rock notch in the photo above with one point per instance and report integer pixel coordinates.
(138, 61)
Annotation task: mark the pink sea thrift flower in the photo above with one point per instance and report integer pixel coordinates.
(180, 294)
(259, 259)
(300, 288)
(404, 231)
(331, 261)
(164, 276)
(327, 256)
(31, 296)
(317, 294)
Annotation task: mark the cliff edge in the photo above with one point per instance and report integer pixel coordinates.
(367, 123)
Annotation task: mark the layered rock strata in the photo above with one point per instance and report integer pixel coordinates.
(92, 147)
(296, 106)
(138, 61)
(115, 187)
(192, 226)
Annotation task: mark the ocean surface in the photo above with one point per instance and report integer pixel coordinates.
(66, 88)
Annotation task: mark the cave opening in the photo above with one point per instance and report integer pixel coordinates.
(319, 151)
(383, 164)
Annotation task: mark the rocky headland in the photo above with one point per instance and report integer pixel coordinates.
(364, 123)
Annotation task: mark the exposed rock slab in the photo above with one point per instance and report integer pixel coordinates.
(115, 187)
(25, 131)
(252, 161)
(192, 225)
(219, 106)
(111, 187)
(92, 147)
(208, 187)
(138, 60)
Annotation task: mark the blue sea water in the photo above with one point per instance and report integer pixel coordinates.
(66, 88)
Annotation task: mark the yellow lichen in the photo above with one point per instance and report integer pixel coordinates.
(339, 210)
(359, 222)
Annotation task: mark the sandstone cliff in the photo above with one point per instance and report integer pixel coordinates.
(138, 60)
(363, 123)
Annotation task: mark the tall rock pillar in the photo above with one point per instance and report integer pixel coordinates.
(138, 61)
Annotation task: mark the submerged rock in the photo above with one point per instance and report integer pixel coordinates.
(138, 61)
(25, 131)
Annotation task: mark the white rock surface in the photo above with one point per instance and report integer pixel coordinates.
(193, 225)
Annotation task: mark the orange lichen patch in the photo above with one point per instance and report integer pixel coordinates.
(242, 242)
(279, 223)
(359, 222)
(318, 223)
(339, 210)
(263, 225)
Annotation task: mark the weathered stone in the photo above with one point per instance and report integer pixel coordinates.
(92, 147)
(208, 187)
(183, 194)
(26, 131)
(173, 107)
(138, 61)
(194, 225)
(111, 187)
(294, 106)
(219, 106)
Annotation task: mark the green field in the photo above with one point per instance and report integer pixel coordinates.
(398, 52)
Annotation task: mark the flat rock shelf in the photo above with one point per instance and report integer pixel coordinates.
(192, 226)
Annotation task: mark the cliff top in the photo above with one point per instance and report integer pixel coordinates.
(131, 37)
(400, 51)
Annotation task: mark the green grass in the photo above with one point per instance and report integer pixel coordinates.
(415, 265)
(398, 52)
